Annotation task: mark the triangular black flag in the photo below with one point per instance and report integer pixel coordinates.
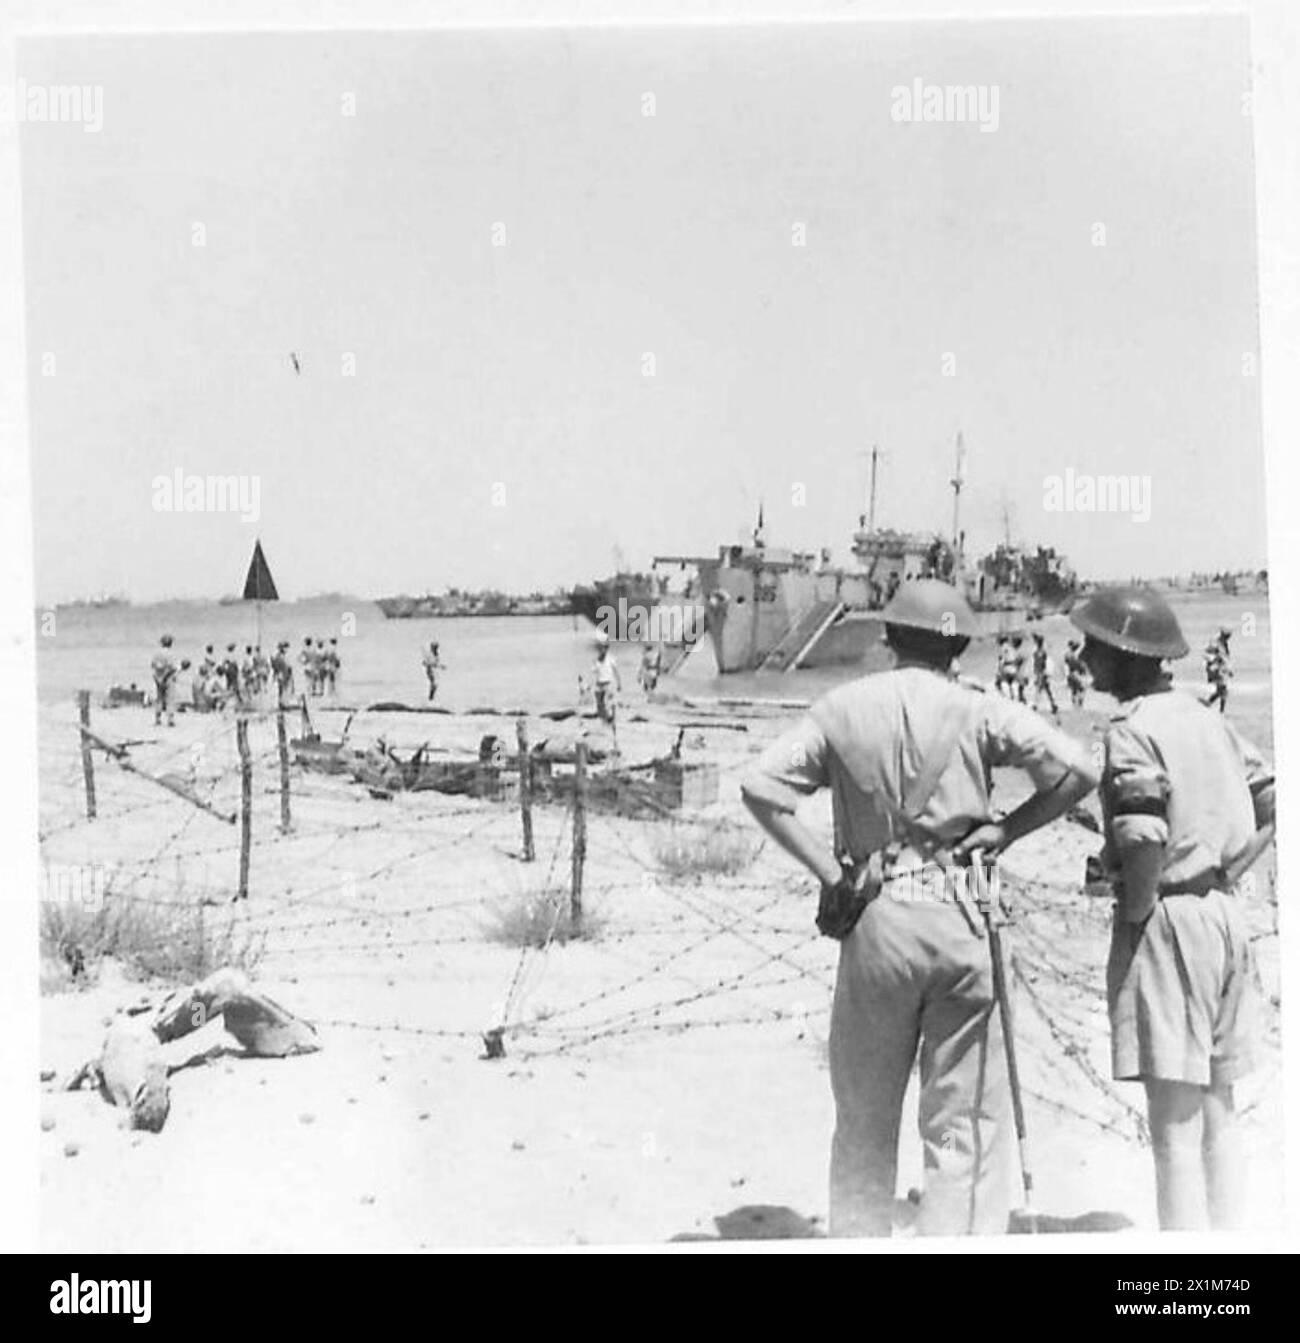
(259, 586)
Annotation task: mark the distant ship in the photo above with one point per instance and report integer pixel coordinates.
(106, 601)
(455, 604)
(594, 600)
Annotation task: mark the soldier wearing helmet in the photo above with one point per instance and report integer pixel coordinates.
(433, 667)
(1187, 806)
(164, 678)
(907, 755)
(1218, 669)
(1076, 674)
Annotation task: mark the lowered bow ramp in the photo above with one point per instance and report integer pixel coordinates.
(803, 636)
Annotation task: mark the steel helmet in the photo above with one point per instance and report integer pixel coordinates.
(929, 604)
(1134, 620)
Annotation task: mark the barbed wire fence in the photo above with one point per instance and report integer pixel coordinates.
(326, 902)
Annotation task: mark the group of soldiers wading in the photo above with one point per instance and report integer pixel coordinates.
(1019, 668)
(234, 679)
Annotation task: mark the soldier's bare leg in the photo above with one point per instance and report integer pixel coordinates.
(1175, 1112)
(1223, 1158)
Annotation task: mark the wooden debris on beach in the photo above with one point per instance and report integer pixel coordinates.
(122, 696)
(322, 757)
(653, 788)
(311, 752)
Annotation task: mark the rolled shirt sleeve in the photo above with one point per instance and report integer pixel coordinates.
(1019, 738)
(1136, 789)
(792, 768)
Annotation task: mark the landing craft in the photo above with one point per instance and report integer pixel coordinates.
(771, 609)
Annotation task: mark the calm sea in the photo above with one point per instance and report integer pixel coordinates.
(531, 662)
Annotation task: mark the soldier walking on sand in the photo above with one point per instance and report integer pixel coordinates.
(1018, 668)
(608, 682)
(1188, 807)
(164, 678)
(248, 673)
(309, 664)
(1043, 669)
(1004, 677)
(432, 668)
(1218, 670)
(652, 658)
(331, 667)
(907, 756)
(230, 671)
(282, 670)
(1076, 673)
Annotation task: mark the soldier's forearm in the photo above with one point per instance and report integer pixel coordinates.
(1262, 798)
(794, 837)
(1140, 865)
(1046, 806)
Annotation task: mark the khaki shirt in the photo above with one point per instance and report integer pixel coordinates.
(1180, 775)
(867, 742)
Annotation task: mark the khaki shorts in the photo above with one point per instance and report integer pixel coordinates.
(1181, 992)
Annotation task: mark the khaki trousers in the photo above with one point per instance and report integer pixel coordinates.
(914, 976)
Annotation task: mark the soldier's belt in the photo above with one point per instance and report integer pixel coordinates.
(1203, 885)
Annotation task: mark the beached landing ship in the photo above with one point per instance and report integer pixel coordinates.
(769, 609)
(773, 609)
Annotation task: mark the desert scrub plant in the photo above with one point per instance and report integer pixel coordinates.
(171, 940)
(537, 918)
(686, 849)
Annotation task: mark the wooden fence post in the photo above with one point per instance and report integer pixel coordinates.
(87, 761)
(283, 739)
(245, 803)
(525, 788)
(579, 831)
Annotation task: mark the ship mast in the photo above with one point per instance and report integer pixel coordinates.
(957, 482)
(871, 501)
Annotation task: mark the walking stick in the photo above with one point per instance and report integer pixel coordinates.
(987, 903)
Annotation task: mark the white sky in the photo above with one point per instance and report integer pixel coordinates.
(776, 366)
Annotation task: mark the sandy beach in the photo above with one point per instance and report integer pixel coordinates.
(660, 1073)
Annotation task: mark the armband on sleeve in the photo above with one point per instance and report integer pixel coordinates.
(1132, 796)
(1264, 802)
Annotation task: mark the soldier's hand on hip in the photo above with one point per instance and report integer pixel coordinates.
(991, 837)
